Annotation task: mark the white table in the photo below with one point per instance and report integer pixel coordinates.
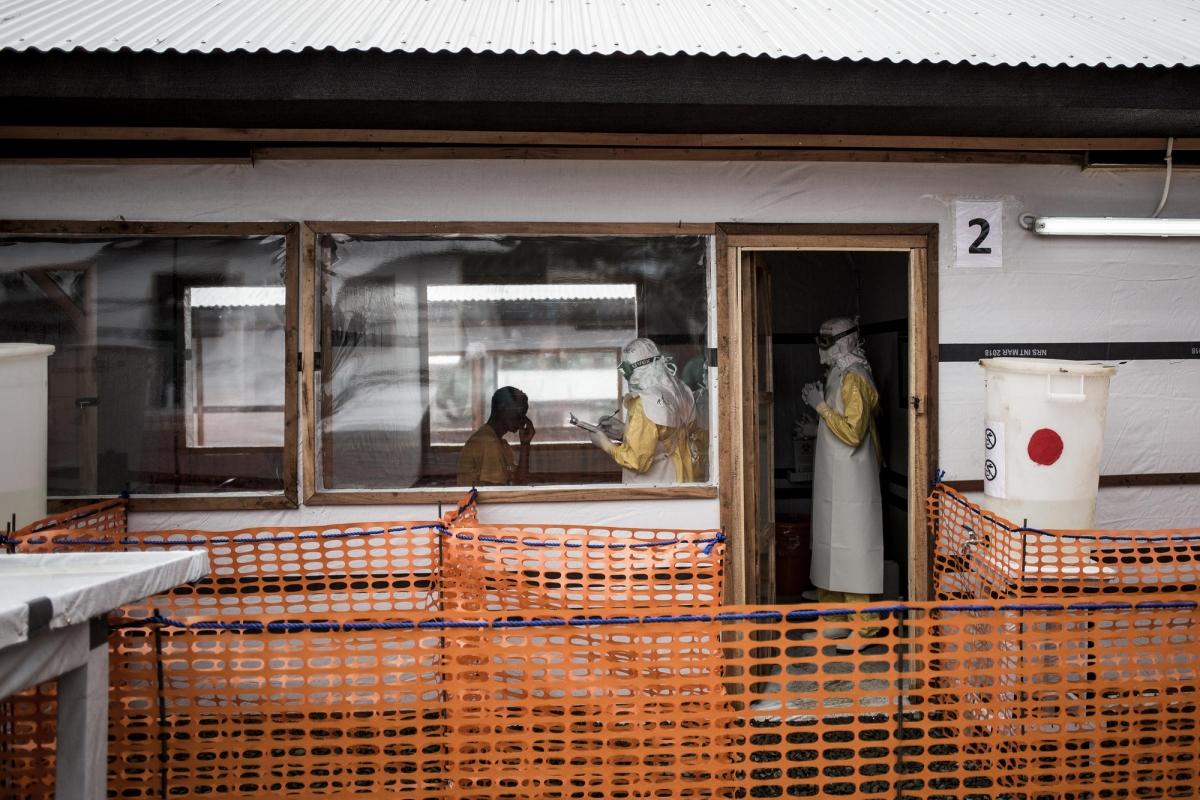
(52, 609)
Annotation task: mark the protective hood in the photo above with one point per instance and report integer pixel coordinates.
(650, 375)
(841, 344)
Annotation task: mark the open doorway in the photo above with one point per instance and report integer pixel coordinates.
(780, 287)
(807, 288)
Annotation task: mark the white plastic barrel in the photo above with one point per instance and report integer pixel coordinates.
(1043, 436)
(24, 402)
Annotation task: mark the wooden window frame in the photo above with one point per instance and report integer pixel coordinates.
(290, 231)
(309, 384)
(735, 378)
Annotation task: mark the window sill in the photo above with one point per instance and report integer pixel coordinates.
(177, 502)
(515, 494)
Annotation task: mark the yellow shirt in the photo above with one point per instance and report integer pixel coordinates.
(641, 440)
(860, 404)
(486, 460)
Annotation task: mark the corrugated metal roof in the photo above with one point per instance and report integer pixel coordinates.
(235, 296)
(474, 292)
(1037, 32)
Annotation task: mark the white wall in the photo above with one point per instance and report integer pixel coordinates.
(1055, 290)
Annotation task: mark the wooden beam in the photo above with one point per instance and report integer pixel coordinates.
(126, 228)
(54, 292)
(571, 138)
(575, 494)
(308, 366)
(209, 502)
(291, 380)
(512, 228)
(748, 441)
(1109, 481)
(810, 230)
(530, 153)
(729, 366)
(922, 361)
(918, 491)
(111, 161)
(480, 153)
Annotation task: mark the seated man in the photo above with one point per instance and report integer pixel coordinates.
(486, 459)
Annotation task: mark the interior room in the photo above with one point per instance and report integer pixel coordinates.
(807, 288)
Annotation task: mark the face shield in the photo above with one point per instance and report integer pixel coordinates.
(825, 340)
(627, 367)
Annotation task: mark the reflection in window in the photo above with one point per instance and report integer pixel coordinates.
(420, 332)
(560, 379)
(224, 327)
(167, 375)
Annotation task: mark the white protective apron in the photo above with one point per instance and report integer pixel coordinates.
(847, 515)
(661, 471)
(662, 468)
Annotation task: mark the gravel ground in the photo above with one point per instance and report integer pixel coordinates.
(793, 737)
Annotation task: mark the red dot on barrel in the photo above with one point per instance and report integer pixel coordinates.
(1045, 447)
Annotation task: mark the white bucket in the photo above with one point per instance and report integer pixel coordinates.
(1044, 432)
(24, 398)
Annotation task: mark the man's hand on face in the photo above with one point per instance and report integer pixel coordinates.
(526, 431)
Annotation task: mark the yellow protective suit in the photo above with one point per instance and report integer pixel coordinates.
(861, 403)
(652, 453)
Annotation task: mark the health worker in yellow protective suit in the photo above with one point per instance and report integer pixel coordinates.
(847, 516)
(659, 442)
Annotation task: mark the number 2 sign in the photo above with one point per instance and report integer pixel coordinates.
(978, 234)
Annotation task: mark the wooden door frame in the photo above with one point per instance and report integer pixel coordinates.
(735, 363)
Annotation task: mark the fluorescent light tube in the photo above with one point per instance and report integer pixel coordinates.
(1115, 226)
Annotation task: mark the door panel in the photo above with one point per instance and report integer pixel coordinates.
(762, 420)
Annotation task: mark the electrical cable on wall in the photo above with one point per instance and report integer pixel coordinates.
(1153, 225)
(1167, 185)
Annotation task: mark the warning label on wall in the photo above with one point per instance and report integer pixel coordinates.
(993, 459)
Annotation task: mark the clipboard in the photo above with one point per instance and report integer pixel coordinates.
(587, 426)
(590, 428)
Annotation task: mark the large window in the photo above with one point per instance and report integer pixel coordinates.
(417, 334)
(170, 372)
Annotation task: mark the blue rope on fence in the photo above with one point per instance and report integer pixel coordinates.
(765, 616)
(1099, 537)
(246, 539)
(708, 542)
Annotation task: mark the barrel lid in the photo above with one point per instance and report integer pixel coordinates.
(1047, 366)
(14, 350)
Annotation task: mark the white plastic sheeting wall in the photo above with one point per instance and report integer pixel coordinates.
(1050, 290)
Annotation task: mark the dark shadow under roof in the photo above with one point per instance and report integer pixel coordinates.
(644, 94)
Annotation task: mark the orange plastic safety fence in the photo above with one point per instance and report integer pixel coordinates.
(558, 567)
(978, 554)
(370, 568)
(105, 517)
(27, 734)
(984, 701)
(378, 570)
(417, 660)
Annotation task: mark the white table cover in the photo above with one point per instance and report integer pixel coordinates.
(80, 586)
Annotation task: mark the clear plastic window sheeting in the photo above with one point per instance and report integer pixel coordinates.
(169, 362)
(419, 332)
